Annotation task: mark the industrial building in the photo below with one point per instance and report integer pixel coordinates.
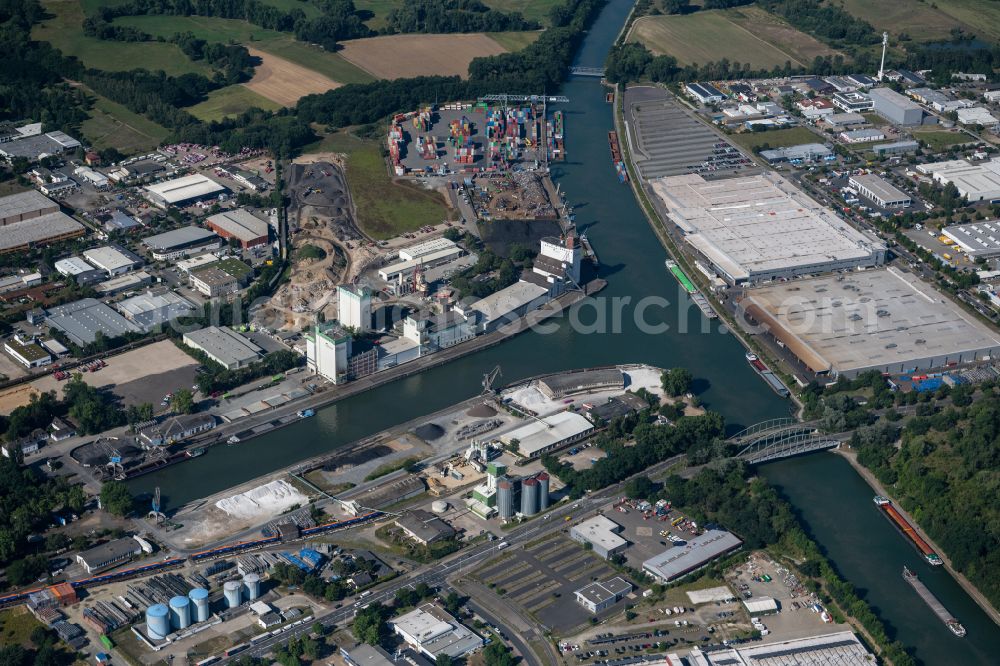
(183, 191)
(240, 224)
(976, 115)
(81, 321)
(841, 648)
(424, 527)
(224, 346)
(758, 228)
(176, 429)
(117, 285)
(581, 381)
(355, 307)
(509, 304)
(72, 266)
(432, 631)
(560, 259)
(598, 596)
(759, 606)
(845, 119)
(884, 320)
(406, 267)
(862, 136)
(194, 263)
(367, 655)
(152, 310)
(896, 148)
(977, 239)
(214, 282)
(182, 242)
(27, 353)
(120, 221)
(109, 554)
(705, 93)
(438, 331)
(548, 433)
(112, 259)
(426, 248)
(602, 533)
(852, 102)
(806, 152)
(328, 348)
(880, 191)
(896, 108)
(25, 206)
(679, 561)
(975, 182)
(34, 148)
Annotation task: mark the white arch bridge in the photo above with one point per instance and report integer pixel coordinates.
(780, 438)
(596, 72)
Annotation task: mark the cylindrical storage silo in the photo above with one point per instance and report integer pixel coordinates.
(199, 597)
(157, 621)
(251, 582)
(180, 612)
(529, 497)
(232, 591)
(543, 491)
(505, 498)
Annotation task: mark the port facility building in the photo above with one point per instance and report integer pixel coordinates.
(548, 433)
(680, 560)
(109, 554)
(602, 533)
(886, 320)
(508, 304)
(759, 228)
(975, 182)
(977, 239)
(880, 191)
(183, 191)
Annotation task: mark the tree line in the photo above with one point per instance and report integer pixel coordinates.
(436, 16)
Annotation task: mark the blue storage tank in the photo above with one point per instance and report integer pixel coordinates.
(199, 597)
(180, 612)
(157, 621)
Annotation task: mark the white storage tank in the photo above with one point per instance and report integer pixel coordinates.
(439, 506)
(199, 597)
(251, 582)
(232, 590)
(180, 612)
(157, 621)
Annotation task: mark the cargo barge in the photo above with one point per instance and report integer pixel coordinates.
(616, 157)
(588, 250)
(772, 379)
(954, 625)
(699, 299)
(885, 504)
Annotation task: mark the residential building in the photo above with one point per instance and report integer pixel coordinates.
(815, 107)
(599, 596)
(25, 445)
(109, 554)
(61, 429)
(224, 346)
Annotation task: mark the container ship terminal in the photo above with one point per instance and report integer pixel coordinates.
(885, 504)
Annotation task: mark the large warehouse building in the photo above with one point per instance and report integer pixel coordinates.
(977, 239)
(240, 224)
(896, 108)
(882, 192)
(25, 206)
(975, 182)
(224, 346)
(884, 320)
(182, 242)
(548, 433)
(29, 218)
(759, 228)
(183, 191)
(678, 561)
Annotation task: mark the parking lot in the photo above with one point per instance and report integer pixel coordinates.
(669, 142)
(542, 578)
(643, 534)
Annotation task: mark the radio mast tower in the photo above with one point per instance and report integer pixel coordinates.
(885, 44)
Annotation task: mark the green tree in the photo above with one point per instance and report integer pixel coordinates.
(369, 624)
(27, 570)
(116, 498)
(444, 660)
(640, 487)
(498, 654)
(182, 401)
(676, 381)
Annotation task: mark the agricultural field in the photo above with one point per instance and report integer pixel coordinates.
(385, 207)
(284, 82)
(111, 125)
(405, 56)
(536, 10)
(779, 138)
(280, 44)
(514, 41)
(928, 21)
(231, 101)
(65, 31)
(709, 36)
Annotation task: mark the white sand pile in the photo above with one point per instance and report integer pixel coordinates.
(264, 501)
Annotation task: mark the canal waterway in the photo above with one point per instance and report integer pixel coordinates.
(833, 501)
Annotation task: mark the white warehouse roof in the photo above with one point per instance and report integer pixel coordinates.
(72, 266)
(548, 431)
(976, 182)
(184, 188)
(240, 223)
(425, 248)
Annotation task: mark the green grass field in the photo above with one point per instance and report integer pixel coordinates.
(111, 125)
(924, 21)
(513, 41)
(941, 139)
(537, 10)
(704, 37)
(230, 101)
(779, 138)
(386, 208)
(65, 32)
(276, 43)
(16, 626)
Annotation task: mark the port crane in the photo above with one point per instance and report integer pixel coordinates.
(114, 465)
(505, 98)
(156, 514)
(489, 380)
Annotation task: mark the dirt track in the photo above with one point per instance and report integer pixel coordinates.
(285, 82)
(405, 56)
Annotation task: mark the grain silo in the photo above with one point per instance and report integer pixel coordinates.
(251, 582)
(529, 496)
(157, 621)
(232, 591)
(199, 597)
(505, 498)
(180, 612)
(543, 491)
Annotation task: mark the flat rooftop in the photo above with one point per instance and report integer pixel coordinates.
(759, 225)
(24, 202)
(38, 230)
(977, 238)
(602, 531)
(841, 648)
(179, 238)
(229, 347)
(436, 632)
(81, 320)
(597, 593)
(543, 433)
(241, 224)
(871, 319)
(111, 258)
(880, 187)
(557, 386)
(974, 181)
(505, 301)
(184, 188)
(699, 550)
